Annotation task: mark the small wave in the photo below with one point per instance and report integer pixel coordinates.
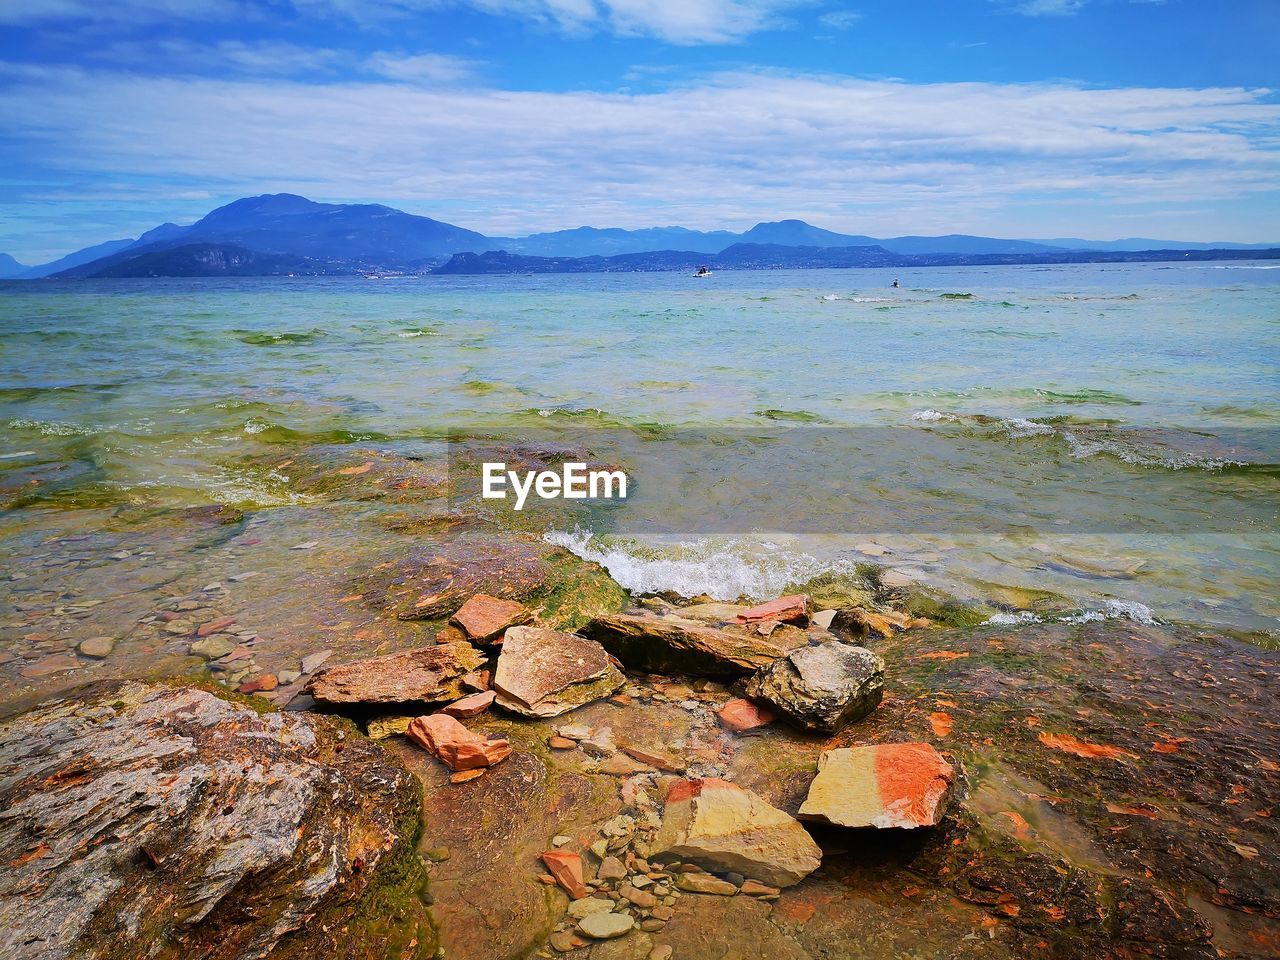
(956, 296)
(933, 416)
(1111, 610)
(56, 428)
(259, 339)
(724, 569)
(792, 416)
(408, 333)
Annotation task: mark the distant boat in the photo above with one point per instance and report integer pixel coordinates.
(703, 271)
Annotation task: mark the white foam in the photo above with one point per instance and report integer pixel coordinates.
(1009, 619)
(933, 416)
(724, 569)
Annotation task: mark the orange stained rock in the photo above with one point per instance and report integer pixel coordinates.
(454, 745)
(789, 609)
(356, 471)
(944, 655)
(566, 867)
(941, 723)
(1080, 748)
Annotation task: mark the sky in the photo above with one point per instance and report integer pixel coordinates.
(1016, 118)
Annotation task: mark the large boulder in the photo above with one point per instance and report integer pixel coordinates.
(821, 688)
(676, 645)
(544, 673)
(426, 675)
(885, 785)
(164, 821)
(722, 827)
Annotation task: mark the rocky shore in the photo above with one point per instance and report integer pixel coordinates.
(376, 725)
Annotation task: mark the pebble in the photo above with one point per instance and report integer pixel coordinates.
(651, 925)
(560, 840)
(585, 906)
(562, 941)
(211, 648)
(606, 926)
(309, 545)
(312, 661)
(662, 951)
(97, 647)
(288, 676)
(561, 743)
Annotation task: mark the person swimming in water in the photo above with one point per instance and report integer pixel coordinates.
(895, 283)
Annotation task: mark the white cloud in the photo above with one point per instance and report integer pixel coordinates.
(840, 19)
(1049, 8)
(676, 21)
(436, 68)
(865, 156)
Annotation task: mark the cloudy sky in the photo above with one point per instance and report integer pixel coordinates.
(1027, 118)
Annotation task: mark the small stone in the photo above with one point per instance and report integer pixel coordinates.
(736, 879)
(471, 706)
(656, 760)
(560, 840)
(214, 626)
(606, 926)
(462, 776)
(211, 648)
(611, 868)
(661, 952)
(705, 883)
(97, 647)
(574, 731)
(265, 682)
(287, 677)
(589, 905)
(754, 888)
(823, 619)
(641, 898)
(561, 743)
(663, 913)
(601, 849)
(599, 743)
(309, 545)
(562, 941)
(651, 926)
(741, 715)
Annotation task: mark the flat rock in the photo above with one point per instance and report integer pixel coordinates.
(606, 926)
(720, 826)
(389, 725)
(483, 618)
(454, 745)
(213, 648)
(152, 820)
(886, 785)
(823, 687)
(426, 675)
(544, 673)
(791, 609)
(471, 706)
(589, 905)
(673, 645)
(705, 883)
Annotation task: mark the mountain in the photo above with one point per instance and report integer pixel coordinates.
(612, 241)
(1144, 243)
(963, 243)
(212, 260)
(87, 255)
(756, 256)
(10, 267)
(797, 233)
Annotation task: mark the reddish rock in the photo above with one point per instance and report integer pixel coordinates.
(566, 867)
(656, 760)
(790, 609)
(471, 706)
(463, 776)
(484, 618)
(427, 675)
(56, 663)
(676, 646)
(561, 743)
(479, 681)
(454, 745)
(214, 626)
(264, 682)
(886, 785)
(741, 715)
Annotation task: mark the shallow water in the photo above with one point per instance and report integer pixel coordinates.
(1108, 432)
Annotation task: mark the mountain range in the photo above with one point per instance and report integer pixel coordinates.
(284, 233)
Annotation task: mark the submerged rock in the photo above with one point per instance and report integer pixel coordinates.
(741, 715)
(885, 785)
(720, 826)
(426, 675)
(673, 645)
(821, 688)
(544, 673)
(471, 706)
(566, 867)
(152, 820)
(454, 745)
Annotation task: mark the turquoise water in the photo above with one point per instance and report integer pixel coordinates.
(1135, 404)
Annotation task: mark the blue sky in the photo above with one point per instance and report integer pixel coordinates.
(1031, 118)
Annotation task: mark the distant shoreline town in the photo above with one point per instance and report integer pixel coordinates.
(285, 234)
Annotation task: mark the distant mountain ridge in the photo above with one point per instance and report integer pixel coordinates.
(334, 237)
